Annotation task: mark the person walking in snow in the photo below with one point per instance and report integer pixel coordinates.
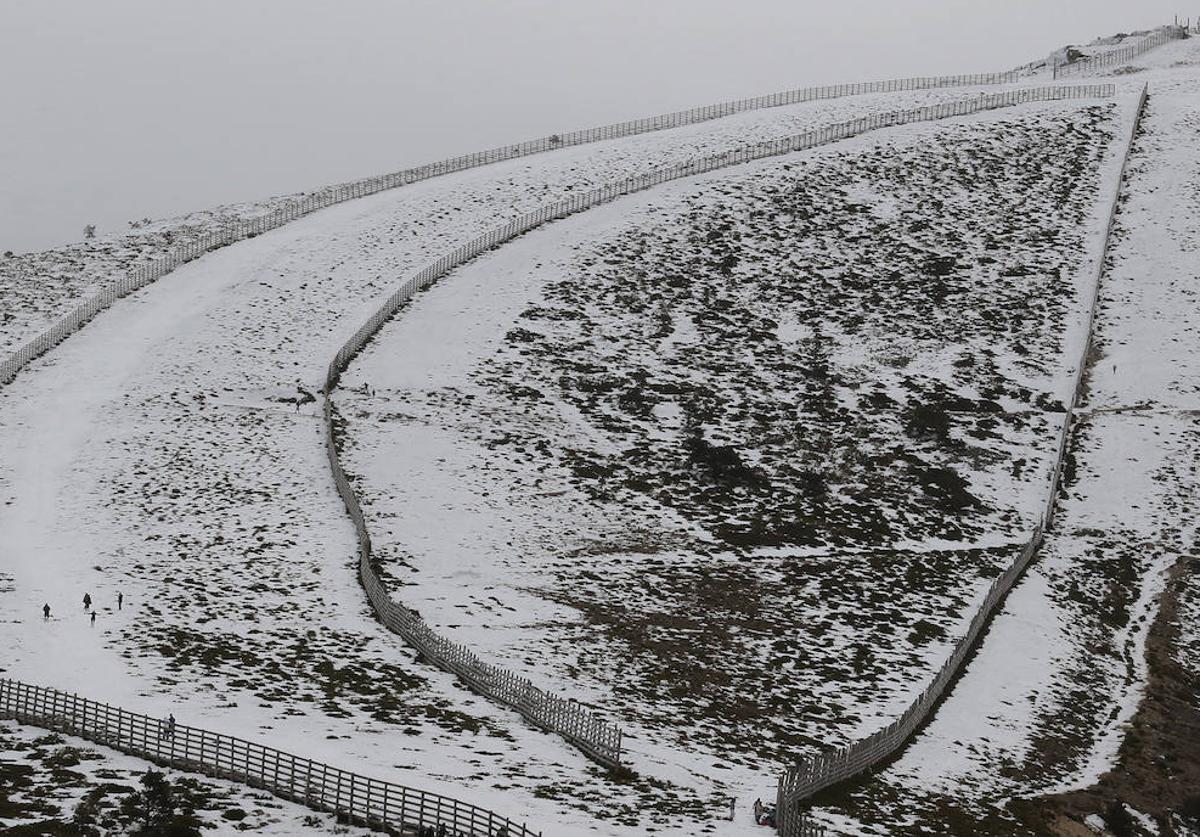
(87, 601)
(170, 726)
(120, 599)
(93, 617)
(46, 612)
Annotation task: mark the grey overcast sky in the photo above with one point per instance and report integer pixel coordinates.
(118, 109)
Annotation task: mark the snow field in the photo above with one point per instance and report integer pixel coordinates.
(168, 452)
(500, 456)
(183, 472)
(1041, 708)
(38, 288)
(235, 615)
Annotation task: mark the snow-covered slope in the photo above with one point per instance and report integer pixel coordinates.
(1044, 707)
(169, 452)
(37, 288)
(160, 452)
(47, 778)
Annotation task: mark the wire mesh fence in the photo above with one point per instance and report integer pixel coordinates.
(583, 728)
(1116, 57)
(809, 776)
(358, 799)
(145, 274)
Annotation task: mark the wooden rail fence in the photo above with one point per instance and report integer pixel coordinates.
(359, 799)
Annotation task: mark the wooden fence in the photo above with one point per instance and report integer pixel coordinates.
(141, 276)
(809, 776)
(585, 729)
(358, 799)
(1083, 66)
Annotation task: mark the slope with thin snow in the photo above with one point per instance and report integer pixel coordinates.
(47, 778)
(603, 475)
(1045, 705)
(169, 451)
(37, 288)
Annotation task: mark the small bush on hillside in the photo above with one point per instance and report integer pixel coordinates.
(928, 421)
(1119, 821)
(161, 809)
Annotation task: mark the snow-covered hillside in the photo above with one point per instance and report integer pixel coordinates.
(1048, 703)
(47, 779)
(180, 470)
(722, 459)
(733, 459)
(36, 288)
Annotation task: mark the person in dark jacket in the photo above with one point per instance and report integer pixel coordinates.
(46, 611)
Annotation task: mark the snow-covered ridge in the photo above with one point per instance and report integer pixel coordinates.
(252, 219)
(1062, 65)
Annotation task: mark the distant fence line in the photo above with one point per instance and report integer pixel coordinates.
(370, 802)
(1157, 38)
(586, 730)
(809, 776)
(1077, 391)
(141, 276)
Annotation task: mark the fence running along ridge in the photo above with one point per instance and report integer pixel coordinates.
(1118, 56)
(1081, 373)
(809, 776)
(581, 727)
(141, 276)
(370, 802)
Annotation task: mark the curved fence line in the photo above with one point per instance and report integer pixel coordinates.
(339, 193)
(359, 799)
(801, 781)
(581, 727)
(1118, 56)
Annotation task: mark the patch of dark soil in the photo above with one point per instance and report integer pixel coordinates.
(1158, 765)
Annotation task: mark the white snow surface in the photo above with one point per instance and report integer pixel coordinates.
(1063, 666)
(159, 453)
(27, 746)
(37, 288)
